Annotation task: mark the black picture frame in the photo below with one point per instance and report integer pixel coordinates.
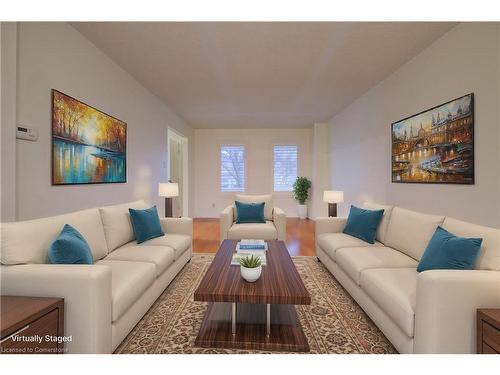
(467, 179)
(52, 160)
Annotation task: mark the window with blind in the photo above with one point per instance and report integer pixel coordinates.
(285, 167)
(232, 168)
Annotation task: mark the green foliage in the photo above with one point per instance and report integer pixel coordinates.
(250, 261)
(301, 188)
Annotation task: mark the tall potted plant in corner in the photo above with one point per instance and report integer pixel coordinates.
(301, 193)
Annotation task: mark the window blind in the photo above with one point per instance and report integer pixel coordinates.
(232, 168)
(285, 167)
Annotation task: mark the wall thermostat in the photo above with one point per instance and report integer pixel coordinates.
(24, 132)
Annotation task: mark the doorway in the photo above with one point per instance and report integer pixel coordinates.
(178, 170)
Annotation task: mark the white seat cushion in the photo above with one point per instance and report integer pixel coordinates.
(489, 256)
(411, 231)
(261, 231)
(394, 291)
(129, 280)
(25, 242)
(384, 223)
(117, 225)
(354, 260)
(179, 242)
(266, 198)
(331, 242)
(160, 256)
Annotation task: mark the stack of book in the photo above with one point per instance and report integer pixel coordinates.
(245, 248)
(251, 247)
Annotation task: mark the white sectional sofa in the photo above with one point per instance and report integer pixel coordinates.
(428, 312)
(273, 229)
(103, 301)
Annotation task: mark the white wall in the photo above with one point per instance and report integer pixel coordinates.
(320, 171)
(464, 60)
(498, 114)
(8, 121)
(54, 55)
(209, 201)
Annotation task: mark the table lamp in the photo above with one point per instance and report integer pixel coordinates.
(168, 190)
(332, 198)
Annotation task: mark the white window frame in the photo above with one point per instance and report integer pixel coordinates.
(273, 165)
(244, 168)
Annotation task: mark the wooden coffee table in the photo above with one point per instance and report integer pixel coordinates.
(254, 316)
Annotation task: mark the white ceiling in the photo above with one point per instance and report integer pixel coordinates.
(252, 75)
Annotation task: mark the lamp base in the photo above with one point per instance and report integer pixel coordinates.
(332, 209)
(168, 207)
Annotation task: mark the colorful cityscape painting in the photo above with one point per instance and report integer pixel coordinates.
(88, 146)
(437, 145)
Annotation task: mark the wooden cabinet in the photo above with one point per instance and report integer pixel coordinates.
(32, 325)
(488, 331)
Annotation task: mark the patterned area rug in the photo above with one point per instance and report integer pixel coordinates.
(333, 323)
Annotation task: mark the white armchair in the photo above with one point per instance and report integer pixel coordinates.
(273, 229)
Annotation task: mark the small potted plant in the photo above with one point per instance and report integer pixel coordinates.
(251, 268)
(301, 188)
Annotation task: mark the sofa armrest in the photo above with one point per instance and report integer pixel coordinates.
(445, 315)
(179, 225)
(86, 290)
(226, 221)
(279, 219)
(329, 225)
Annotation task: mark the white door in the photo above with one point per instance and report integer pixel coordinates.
(177, 156)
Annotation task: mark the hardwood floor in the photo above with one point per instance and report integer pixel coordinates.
(299, 236)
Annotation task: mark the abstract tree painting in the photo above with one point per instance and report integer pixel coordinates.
(88, 146)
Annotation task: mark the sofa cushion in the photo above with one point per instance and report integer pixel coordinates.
(28, 241)
(411, 231)
(331, 242)
(394, 291)
(129, 280)
(266, 198)
(146, 224)
(354, 260)
(265, 231)
(178, 242)
(117, 225)
(489, 255)
(249, 212)
(363, 223)
(70, 248)
(160, 256)
(446, 251)
(382, 228)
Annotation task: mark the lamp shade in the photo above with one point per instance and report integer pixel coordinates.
(168, 189)
(331, 196)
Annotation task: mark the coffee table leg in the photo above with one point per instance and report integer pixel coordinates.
(268, 320)
(233, 318)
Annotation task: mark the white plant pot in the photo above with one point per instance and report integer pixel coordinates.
(302, 208)
(251, 274)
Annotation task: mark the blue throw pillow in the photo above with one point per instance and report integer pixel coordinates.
(446, 251)
(249, 212)
(146, 224)
(70, 248)
(363, 223)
